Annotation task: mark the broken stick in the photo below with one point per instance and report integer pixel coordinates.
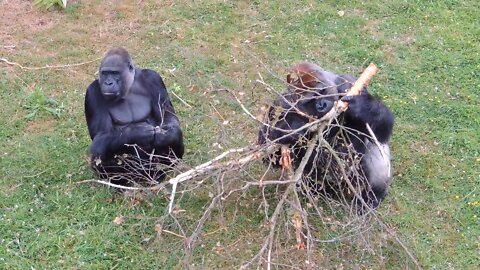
(359, 84)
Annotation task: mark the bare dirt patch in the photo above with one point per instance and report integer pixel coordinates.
(33, 36)
(22, 17)
(38, 126)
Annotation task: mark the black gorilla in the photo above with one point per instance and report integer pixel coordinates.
(311, 96)
(130, 106)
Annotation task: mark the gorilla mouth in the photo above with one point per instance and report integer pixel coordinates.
(111, 94)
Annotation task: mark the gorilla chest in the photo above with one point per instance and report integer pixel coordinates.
(133, 109)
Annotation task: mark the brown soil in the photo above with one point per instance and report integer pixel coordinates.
(22, 16)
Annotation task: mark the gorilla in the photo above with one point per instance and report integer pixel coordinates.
(309, 97)
(130, 106)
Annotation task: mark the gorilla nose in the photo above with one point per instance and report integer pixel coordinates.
(109, 83)
(324, 105)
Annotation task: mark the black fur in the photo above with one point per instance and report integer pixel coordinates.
(129, 105)
(313, 94)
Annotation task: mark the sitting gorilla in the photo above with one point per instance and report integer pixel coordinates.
(308, 98)
(130, 106)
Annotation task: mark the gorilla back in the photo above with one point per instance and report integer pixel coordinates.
(130, 117)
(310, 96)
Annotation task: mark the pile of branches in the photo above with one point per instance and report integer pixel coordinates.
(306, 214)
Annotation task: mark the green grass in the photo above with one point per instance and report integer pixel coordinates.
(428, 53)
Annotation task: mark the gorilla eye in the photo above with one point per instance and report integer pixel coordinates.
(110, 72)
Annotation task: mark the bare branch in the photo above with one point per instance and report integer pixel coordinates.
(48, 66)
(179, 98)
(312, 213)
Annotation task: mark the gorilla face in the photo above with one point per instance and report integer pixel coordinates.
(323, 106)
(116, 76)
(325, 98)
(316, 88)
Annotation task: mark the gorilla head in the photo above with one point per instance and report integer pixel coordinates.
(117, 74)
(315, 86)
(319, 89)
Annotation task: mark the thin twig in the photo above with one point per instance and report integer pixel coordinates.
(410, 254)
(179, 98)
(272, 223)
(48, 66)
(259, 184)
(173, 233)
(196, 171)
(380, 148)
(110, 184)
(35, 175)
(190, 243)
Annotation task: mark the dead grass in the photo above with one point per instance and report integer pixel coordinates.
(39, 127)
(23, 19)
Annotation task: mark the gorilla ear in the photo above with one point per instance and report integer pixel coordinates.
(130, 66)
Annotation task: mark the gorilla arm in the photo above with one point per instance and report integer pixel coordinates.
(167, 127)
(364, 109)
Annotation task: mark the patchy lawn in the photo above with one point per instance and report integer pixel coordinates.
(428, 54)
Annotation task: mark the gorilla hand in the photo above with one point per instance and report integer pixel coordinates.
(162, 134)
(162, 130)
(142, 134)
(98, 148)
(358, 107)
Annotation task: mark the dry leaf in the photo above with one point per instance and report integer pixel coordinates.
(179, 211)
(118, 220)
(297, 223)
(285, 160)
